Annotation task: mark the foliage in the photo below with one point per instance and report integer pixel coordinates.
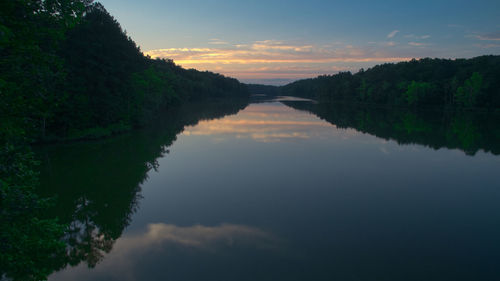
(266, 90)
(417, 91)
(468, 94)
(109, 80)
(68, 65)
(153, 91)
(69, 71)
(31, 73)
(439, 83)
(29, 244)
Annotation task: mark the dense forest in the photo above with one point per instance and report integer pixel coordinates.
(438, 83)
(265, 90)
(68, 71)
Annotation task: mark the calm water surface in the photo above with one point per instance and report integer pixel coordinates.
(274, 193)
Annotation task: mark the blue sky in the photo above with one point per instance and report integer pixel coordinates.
(275, 42)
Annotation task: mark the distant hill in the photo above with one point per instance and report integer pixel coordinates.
(256, 89)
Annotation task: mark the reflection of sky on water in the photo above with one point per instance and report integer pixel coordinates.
(265, 122)
(304, 200)
(194, 237)
(161, 240)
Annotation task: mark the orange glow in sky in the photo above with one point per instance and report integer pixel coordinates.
(274, 59)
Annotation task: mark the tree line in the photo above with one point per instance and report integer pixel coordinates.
(438, 83)
(68, 70)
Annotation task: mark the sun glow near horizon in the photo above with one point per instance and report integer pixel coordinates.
(271, 59)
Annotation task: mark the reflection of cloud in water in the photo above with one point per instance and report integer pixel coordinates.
(214, 125)
(268, 122)
(197, 236)
(287, 98)
(164, 242)
(272, 137)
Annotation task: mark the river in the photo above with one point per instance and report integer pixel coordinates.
(270, 191)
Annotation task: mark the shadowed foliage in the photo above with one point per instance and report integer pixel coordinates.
(438, 83)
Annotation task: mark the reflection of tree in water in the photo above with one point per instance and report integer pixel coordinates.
(83, 238)
(464, 130)
(98, 184)
(411, 124)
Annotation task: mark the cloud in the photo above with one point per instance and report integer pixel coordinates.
(270, 52)
(278, 45)
(417, 44)
(392, 34)
(274, 59)
(494, 36)
(216, 41)
(418, 37)
(487, 46)
(264, 53)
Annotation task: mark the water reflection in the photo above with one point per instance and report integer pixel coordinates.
(264, 122)
(464, 130)
(98, 184)
(165, 241)
(273, 193)
(197, 236)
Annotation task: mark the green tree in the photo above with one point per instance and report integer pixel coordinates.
(467, 94)
(362, 90)
(29, 244)
(31, 73)
(31, 76)
(152, 91)
(416, 91)
(429, 82)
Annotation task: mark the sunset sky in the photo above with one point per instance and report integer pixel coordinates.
(275, 42)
